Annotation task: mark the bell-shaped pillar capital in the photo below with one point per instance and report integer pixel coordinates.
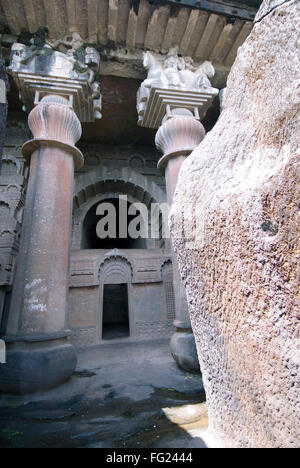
(53, 123)
(174, 98)
(178, 135)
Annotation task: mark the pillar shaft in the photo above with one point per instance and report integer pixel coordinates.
(39, 356)
(39, 299)
(180, 90)
(176, 138)
(182, 314)
(41, 282)
(2, 302)
(171, 175)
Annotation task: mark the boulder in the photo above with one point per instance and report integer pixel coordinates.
(235, 225)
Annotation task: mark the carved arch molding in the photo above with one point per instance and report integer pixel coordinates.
(115, 269)
(118, 180)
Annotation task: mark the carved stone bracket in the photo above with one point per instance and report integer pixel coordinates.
(40, 71)
(173, 83)
(163, 102)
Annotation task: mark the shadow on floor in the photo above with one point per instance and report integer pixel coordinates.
(127, 396)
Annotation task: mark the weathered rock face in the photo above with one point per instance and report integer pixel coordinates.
(267, 6)
(240, 252)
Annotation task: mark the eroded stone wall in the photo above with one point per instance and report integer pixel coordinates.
(236, 229)
(3, 103)
(141, 159)
(13, 179)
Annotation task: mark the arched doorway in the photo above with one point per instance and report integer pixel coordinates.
(115, 277)
(117, 291)
(101, 185)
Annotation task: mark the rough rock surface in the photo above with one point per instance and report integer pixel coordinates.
(267, 6)
(238, 242)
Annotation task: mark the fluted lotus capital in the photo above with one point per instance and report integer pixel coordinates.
(180, 134)
(53, 118)
(54, 123)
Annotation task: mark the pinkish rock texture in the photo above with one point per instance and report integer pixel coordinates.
(241, 264)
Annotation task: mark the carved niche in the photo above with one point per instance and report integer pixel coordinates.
(116, 269)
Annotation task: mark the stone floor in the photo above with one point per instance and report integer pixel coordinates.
(121, 396)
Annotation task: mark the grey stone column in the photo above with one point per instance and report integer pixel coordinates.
(39, 356)
(174, 97)
(176, 138)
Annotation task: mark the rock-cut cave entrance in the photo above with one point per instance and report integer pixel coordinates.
(90, 239)
(115, 322)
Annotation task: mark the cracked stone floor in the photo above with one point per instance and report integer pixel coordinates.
(129, 395)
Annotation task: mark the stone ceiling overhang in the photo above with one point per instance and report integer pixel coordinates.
(245, 9)
(122, 30)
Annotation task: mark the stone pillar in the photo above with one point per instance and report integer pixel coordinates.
(39, 355)
(61, 91)
(174, 97)
(176, 138)
(221, 97)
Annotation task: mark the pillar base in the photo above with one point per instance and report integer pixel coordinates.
(36, 365)
(183, 349)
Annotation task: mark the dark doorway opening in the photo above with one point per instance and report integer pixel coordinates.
(115, 312)
(90, 239)
(4, 320)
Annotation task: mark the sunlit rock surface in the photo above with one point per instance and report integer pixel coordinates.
(235, 226)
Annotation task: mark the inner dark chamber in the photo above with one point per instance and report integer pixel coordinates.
(90, 240)
(115, 312)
